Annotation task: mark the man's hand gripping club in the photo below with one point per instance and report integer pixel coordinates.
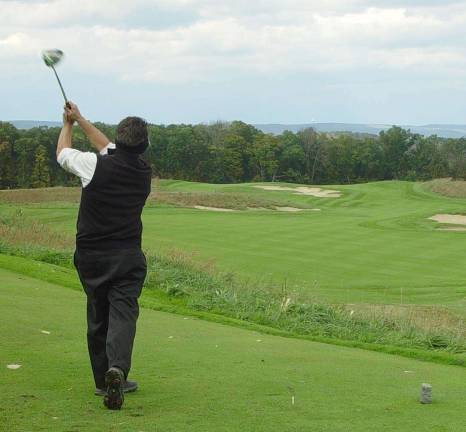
(96, 137)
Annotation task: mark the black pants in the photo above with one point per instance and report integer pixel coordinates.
(112, 281)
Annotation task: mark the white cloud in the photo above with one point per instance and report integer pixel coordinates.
(237, 37)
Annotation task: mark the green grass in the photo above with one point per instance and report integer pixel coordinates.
(372, 245)
(175, 285)
(373, 241)
(202, 376)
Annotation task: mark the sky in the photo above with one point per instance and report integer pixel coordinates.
(260, 61)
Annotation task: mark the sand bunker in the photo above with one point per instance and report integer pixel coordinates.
(285, 209)
(282, 209)
(218, 209)
(303, 190)
(449, 219)
(289, 209)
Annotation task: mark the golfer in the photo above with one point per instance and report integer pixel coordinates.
(110, 263)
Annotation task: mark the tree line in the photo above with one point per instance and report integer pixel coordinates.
(238, 152)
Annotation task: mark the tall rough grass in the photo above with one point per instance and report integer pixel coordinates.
(203, 288)
(27, 237)
(447, 187)
(41, 195)
(235, 201)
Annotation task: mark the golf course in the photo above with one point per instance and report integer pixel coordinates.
(232, 216)
(354, 253)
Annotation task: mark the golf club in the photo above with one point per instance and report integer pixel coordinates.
(51, 58)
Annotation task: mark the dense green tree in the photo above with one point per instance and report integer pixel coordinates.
(265, 156)
(8, 136)
(455, 156)
(186, 153)
(226, 161)
(237, 152)
(395, 143)
(7, 174)
(313, 152)
(425, 159)
(40, 176)
(247, 133)
(24, 160)
(292, 160)
(369, 160)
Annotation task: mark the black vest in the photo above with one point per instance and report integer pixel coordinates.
(111, 204)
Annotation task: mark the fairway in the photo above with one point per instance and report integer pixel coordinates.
(374, 244)
(199, 376)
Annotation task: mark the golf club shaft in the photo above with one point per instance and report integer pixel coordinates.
(59, 83)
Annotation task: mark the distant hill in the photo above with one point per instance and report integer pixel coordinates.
(442, 130)
(29, 124)
(445, 131)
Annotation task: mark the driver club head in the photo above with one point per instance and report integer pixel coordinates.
(52, 57)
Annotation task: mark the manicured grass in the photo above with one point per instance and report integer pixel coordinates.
(372, 245)
(202, 376)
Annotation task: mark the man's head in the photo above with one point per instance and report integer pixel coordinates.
(131, 135)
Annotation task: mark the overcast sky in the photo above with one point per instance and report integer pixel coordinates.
(261, 61)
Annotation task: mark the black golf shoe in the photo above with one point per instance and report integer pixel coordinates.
(114, 397)
(128, 387)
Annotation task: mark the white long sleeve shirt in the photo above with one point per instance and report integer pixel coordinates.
(81, 164)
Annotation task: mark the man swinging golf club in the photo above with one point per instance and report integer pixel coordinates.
(109, 260)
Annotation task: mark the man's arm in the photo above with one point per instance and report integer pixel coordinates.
(80, 163)
(64, 140)
(96, 137)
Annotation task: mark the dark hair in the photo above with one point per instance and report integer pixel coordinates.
(132, 132)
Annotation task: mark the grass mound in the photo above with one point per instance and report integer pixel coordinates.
(447, 187)
(164, 192)
(40, 196)
(28, 233)
(234, 201)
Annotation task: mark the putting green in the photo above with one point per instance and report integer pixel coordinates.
(201, 376)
